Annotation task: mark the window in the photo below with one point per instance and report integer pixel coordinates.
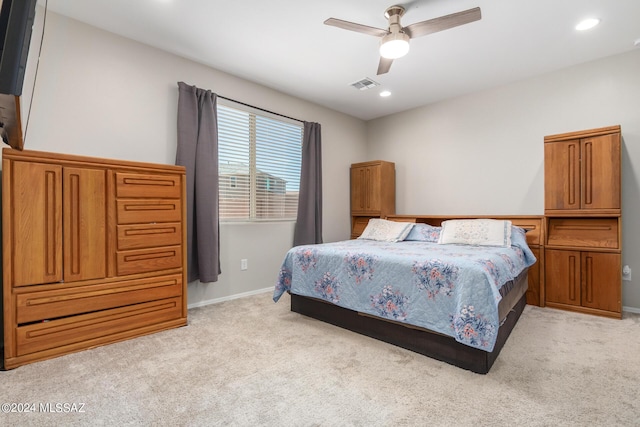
(259, 165)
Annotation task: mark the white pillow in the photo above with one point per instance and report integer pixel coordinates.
(386, 231)
(481, 232)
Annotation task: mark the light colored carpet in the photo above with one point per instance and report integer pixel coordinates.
(250, 362)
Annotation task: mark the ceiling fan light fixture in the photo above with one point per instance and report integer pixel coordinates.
(394, 45)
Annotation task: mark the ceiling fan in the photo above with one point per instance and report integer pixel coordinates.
(394, 41)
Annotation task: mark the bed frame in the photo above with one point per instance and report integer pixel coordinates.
(434, 345)
(428, 343)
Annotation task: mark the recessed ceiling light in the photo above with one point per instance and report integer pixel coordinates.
(587, 24)
(385, 93)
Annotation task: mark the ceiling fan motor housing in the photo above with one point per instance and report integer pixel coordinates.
(393, 14)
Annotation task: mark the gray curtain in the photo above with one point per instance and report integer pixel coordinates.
(308, 229)
(198, 152)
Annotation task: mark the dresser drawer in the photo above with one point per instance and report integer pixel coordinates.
(533, 228)
(149, 235)
(148, 211)
(148, 186)
(583, 232)
(85, 327)
(36, 306)
(150, 259)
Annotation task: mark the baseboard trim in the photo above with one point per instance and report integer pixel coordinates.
(631, 309)
(230, 297)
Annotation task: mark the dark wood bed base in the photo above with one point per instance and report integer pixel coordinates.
(434, 345)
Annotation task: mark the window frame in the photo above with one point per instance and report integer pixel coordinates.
(253, 160)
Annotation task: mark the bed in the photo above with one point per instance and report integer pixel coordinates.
(451, 292)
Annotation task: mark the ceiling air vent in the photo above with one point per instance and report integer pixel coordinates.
(365, 84)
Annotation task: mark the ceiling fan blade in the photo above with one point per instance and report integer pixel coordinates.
(384, 65)
(443, 23)
(352, 26)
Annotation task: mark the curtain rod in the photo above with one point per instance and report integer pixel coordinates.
(261, 109)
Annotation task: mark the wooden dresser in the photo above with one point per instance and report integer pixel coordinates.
(373, 193)
(583, 248)
(94, 252)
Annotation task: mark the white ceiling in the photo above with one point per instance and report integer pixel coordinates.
(283, 44)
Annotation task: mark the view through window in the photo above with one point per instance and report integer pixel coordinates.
(259, 165)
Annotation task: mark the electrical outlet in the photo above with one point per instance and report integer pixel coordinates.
(626, 273)
(244, 264)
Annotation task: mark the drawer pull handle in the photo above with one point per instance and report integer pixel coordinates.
(166, 230)
(152, 255)
(149, 207)
(583, 227)
(142, 181)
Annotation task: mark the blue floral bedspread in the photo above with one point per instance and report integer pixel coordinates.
(450, 289)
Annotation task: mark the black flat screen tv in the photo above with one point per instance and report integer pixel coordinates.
(16, 23)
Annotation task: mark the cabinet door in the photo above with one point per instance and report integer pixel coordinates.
(601, 278)
(366, 189)
(600, 173)
(358, 189)
(562, 276)
(374, 189)
(562, 175)
(85, 234)
(36, 217)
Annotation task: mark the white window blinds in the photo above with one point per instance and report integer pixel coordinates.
(259, 165)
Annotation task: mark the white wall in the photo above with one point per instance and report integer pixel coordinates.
(102, 95)
(483, 153)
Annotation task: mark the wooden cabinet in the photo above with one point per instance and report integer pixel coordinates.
(373, 193)
(583, 279)
(93, 252)
(583, 221)
(582, 173)
(48, 199)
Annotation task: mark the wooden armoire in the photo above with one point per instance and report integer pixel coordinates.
(583, 248)
(94, 252)
(373, 193)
